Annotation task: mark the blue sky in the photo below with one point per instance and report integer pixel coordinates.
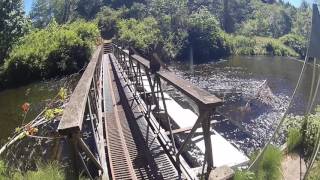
(28, 3)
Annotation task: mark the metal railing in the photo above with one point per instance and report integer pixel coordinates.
(85, 107)
(137, 68)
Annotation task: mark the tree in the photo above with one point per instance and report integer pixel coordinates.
(302, 23)
(88, 9)
(143, 35)
(172, 19)
(205, 36)
(268, 20)
(13, 25)
(107, 21)
(44, 11)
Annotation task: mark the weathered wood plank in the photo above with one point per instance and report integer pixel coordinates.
(73, 114)
(141, 60)
(201, 97)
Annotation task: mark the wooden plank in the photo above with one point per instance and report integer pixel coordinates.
(203, 98)
(73, 114)
(141, 60)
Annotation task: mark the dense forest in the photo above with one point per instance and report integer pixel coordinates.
(57, 36)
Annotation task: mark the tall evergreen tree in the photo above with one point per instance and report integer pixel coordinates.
(13, 25)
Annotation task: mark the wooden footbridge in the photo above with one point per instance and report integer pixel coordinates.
(138, 131)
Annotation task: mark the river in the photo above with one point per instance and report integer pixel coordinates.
(37, 94)
(264, 83)
(235, 80)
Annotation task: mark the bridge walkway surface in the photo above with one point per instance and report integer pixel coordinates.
(132, 148)
(120, 123)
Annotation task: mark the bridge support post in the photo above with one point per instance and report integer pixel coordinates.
(207, 140)
(73, 141)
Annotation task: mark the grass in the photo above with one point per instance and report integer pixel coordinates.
(50, 171)
(269, 168)
(314, 173)
(294, 139)
(244, 175)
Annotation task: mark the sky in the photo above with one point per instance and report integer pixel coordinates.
(28, 3)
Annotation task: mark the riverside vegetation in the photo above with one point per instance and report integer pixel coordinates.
(58, 36)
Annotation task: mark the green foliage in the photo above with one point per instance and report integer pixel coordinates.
(52, 113)
(45, 11)
(107, 21)
(242, 45)
(314, 173)
(268, 20)
(62, 93)
(269, 167)
(296, 42)
(269, 46)
(87, 9)
(244, 175)
(294, 139)
(310, 126)
(50, 171)
(205, 36)
(143, 35)
(13, 25)
(45, 53)
(311, 133)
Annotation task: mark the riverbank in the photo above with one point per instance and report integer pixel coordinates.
(56, 50)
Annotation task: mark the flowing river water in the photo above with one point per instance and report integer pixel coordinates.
(236, 80)
(255, 90)
(37, 94)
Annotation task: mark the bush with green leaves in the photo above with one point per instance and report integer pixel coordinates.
(294, 139)
(310, 126)
(296, 42)
(244, 175)
(270, 46)
(314, 173)
(269, 166)
(45, 53)
(141, 34)
(242, 45)
(107, 21)
(205, 37)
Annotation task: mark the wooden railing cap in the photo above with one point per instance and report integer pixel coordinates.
(203, 98)
(73, 114)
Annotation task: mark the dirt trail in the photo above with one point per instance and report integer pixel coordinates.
(291, 167)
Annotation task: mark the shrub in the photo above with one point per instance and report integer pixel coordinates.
(269, 46)
(143, 35)
(269, 167)
(49, 171)
(242, 45)
(294, 139)
(314, 173)
(244, 175)
(49, 52)
(311, 133)
(107, 21)
(296, 42)
(206, 38)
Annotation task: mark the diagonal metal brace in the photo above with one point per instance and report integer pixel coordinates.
(85, 148)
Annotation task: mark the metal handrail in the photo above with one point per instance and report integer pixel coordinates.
(205, 101)
(85, 103)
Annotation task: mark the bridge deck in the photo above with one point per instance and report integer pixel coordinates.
(134, 150)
